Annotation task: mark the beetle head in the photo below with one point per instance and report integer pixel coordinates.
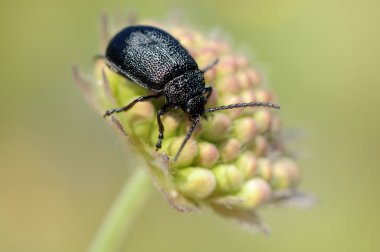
(195, 107)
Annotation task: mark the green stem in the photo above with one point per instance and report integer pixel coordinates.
(123, 213)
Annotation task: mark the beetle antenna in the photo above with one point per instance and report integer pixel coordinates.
(244, 104)
(188, 135)
(208, 67)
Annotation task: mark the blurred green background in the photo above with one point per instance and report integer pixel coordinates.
(61, 165)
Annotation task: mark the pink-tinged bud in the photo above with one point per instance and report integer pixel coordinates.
(217, 127)
(241, 61)
(253, 193)
(244, 129)
(264, 169)
(263, 119)
(188, 154)
(220, 46)
(230, 85)
(208, 155)
(264, 95)
(254, 77)
(205, 57)
(285, 174)
(187, 39)
(196, 183)
(244, 80)
(230, 150)
(247, 164)
(226, 66)
(260, 145)
(228, 178)
(210, 76)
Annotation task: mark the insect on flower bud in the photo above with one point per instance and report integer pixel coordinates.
(226, 160)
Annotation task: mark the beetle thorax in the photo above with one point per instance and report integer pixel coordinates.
(184, 88)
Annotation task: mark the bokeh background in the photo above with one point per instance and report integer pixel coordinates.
(61, 165)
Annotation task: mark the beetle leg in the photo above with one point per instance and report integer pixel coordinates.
(161, 129)
(208, 67)
(208, 92)
(130, 105)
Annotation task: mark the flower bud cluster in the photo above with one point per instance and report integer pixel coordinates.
(235, 161)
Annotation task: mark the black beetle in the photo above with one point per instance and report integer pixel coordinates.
(158, 62)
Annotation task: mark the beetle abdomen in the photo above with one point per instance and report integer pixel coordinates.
(150, 56)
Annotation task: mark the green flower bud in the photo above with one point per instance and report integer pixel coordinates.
(118, 86)
(228, 178)
(247, 164)
(264, 169)
(196, 183)
(142, 130)
(245, 129)
(188, 155)
(172, 123)
(217, 127)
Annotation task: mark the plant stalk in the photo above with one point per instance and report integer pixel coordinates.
(123, 213)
